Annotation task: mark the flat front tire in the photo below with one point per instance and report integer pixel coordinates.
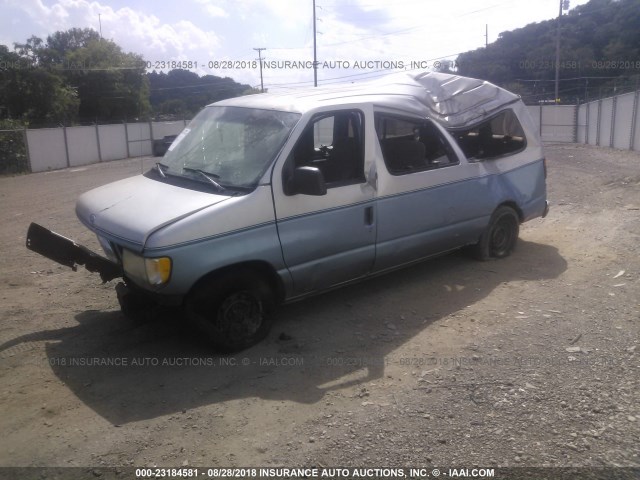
(500, 237)
(234, 310)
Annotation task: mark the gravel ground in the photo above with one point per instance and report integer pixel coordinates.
(531, 361)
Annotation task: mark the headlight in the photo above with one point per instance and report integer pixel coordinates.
(153, 271)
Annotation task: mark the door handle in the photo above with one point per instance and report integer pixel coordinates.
(368, 216)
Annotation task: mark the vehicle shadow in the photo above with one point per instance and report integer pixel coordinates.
(128, 372)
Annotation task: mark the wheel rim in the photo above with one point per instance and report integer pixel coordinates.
(240, 315)
(502, 236)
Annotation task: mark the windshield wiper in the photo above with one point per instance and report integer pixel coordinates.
(209, 176)
(159, 168)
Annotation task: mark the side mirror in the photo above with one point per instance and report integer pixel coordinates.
(306, 181)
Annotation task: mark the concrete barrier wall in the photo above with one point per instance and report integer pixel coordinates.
(610, 122)
(635, 126)
(592, 122)
(623, 119)
(113, 142)
(606, 122)
(82, 144)
(139, 139)
(55, 148)
(47, 149)
(581, 127)
(557, 123)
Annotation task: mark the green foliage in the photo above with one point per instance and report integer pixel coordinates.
(60, 44)
(77, 77)
(72, 77)
(13, 151)
(29, 92)
(181, 93)
(111, 84)
(600, 54)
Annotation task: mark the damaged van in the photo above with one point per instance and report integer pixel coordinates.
(269, 198)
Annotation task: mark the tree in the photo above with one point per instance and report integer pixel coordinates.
(184, 93)
(74, 76)
(111, 84)
(29, 50)
(30, 93)
(60, 44)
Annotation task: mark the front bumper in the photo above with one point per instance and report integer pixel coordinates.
(68, 253)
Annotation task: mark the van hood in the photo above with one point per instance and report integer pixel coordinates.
(134, 208)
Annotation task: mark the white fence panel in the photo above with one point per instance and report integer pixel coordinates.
(558, 123)
(581, 127)
(46, 149)
(606, 122)
(139, 139)
(534, 110)
(592, 127)
(82, 146)
(636, 131)
(113, 142)
(623, 119)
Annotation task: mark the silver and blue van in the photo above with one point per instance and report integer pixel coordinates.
(269, 198)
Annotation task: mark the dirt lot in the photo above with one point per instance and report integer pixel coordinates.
(528, 361)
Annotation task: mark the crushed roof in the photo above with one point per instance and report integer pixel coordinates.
(452, 100)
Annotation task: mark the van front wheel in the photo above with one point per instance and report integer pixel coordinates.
(234, 310)
(500, 237)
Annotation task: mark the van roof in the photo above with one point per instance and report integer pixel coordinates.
(452, 100)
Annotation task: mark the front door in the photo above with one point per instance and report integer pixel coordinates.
(330, 239)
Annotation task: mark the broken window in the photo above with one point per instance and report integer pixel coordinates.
(495, 137)
(412, 145)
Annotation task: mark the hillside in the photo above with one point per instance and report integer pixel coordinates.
(181, 93)
(600, 54)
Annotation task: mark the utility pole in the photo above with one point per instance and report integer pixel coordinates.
(100, 24)
(315, 56)
(558, 53)
(259, 50)
(564, 5)
(486, 35)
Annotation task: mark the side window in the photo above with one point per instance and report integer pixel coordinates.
(332, 142)
(496, 137)
(412, 145)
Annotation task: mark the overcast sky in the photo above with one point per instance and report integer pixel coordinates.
(349, 31)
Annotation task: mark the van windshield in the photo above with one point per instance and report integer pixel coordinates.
(233, 146)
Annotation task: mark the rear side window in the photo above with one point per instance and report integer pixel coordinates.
(412, 145)
(499, 136)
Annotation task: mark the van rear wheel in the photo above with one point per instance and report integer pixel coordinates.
(500, 237)
(234, 310)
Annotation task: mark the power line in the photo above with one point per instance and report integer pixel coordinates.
(386, 72)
